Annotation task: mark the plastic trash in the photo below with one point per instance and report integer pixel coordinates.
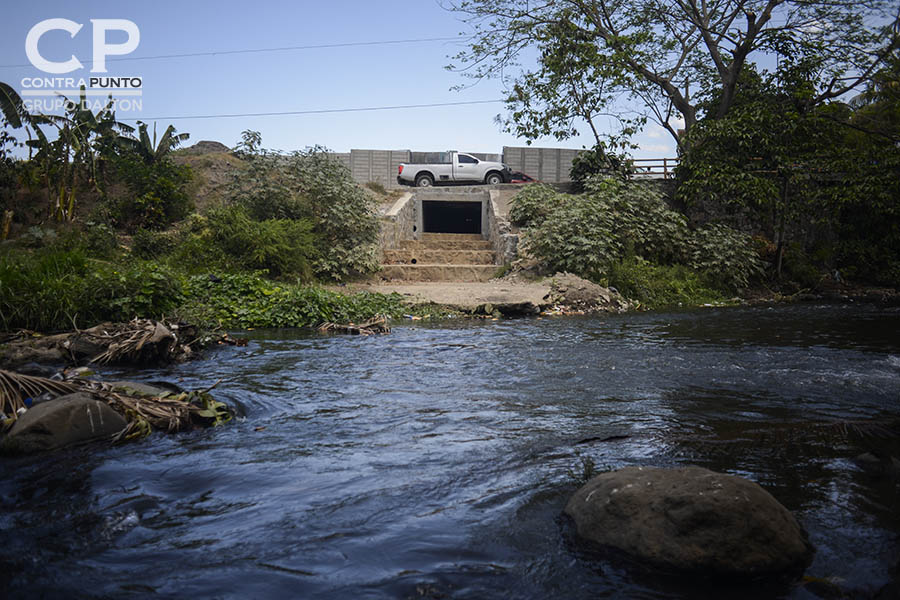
(42, 398)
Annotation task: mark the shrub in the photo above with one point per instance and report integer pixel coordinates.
(533, 204)
(152, 244)
(313, 186)
(279, 246)
(343, 214)
(248, 300)
(54, 288)
(43, 290)
(139, 289)
(100, 239)
(660, 286)
(156, 193)
(575, 238)
(585, 234)
(616, 225)
(597, 162)
(268, 188)
(726, 254)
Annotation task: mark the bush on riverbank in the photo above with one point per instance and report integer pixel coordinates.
(56, 288)
(624, 235)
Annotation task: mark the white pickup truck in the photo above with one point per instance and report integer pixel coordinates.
(452, 167)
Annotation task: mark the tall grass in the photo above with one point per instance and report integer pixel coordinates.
(44, 290)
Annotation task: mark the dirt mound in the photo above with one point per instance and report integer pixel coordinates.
(576, 294)
(206, 147)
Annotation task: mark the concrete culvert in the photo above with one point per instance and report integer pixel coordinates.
(451, 217)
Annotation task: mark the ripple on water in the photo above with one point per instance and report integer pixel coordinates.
(435, 461)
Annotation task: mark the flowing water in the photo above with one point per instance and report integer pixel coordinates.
(435, 462)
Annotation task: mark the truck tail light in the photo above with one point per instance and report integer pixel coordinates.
(400, 170)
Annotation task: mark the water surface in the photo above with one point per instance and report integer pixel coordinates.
(435, 461)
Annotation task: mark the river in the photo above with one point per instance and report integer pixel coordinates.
(435, 462)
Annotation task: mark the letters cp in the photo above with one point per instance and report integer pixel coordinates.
(101, 48)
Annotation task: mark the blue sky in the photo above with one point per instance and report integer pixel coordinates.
(291, 80)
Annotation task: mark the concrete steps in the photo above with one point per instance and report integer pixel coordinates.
(441, 257)
(433, 256)
(446, 245)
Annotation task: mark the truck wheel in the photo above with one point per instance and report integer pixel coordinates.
(424, 180)
(493, 178)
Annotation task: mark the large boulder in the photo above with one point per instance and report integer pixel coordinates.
(62, 421)
(690, 519)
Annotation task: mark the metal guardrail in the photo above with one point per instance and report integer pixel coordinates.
(655, 168)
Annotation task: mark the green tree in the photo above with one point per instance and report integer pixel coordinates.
(156, 193)
(71, 160)
(808, 173)
(653, 51)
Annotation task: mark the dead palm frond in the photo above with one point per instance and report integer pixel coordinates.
(166, 411)
(15, 387)
(128, 342)
(375, 325)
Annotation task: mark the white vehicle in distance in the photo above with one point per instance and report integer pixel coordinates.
(452, 167)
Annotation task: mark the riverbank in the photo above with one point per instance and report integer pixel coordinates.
(562, 293)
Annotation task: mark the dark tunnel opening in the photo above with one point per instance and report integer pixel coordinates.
(451, 217)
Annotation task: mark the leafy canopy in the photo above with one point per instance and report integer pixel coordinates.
(591, 53)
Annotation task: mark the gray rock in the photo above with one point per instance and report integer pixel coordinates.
(62, 421)
(690, 519)
(136, 388)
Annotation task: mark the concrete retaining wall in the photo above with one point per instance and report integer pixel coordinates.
(377, 165)
(506, 243)
(400, 222)
(403, 221)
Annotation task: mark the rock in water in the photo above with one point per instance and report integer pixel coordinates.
(62, 421)
(690, 519)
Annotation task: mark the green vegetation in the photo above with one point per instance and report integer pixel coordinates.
(623, 234)
(58, 287)
(286, 221)
(314, 188)
(592, 54)
(249, 300)
(805, 157)
(822, 180)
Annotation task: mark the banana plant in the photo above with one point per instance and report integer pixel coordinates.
(152, 150)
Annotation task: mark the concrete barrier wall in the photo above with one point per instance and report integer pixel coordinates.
(550, 165)
(377, 165)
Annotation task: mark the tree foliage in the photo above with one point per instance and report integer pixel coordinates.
(155, 192)
(151, 150)
(591, 52)
(797, 167)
